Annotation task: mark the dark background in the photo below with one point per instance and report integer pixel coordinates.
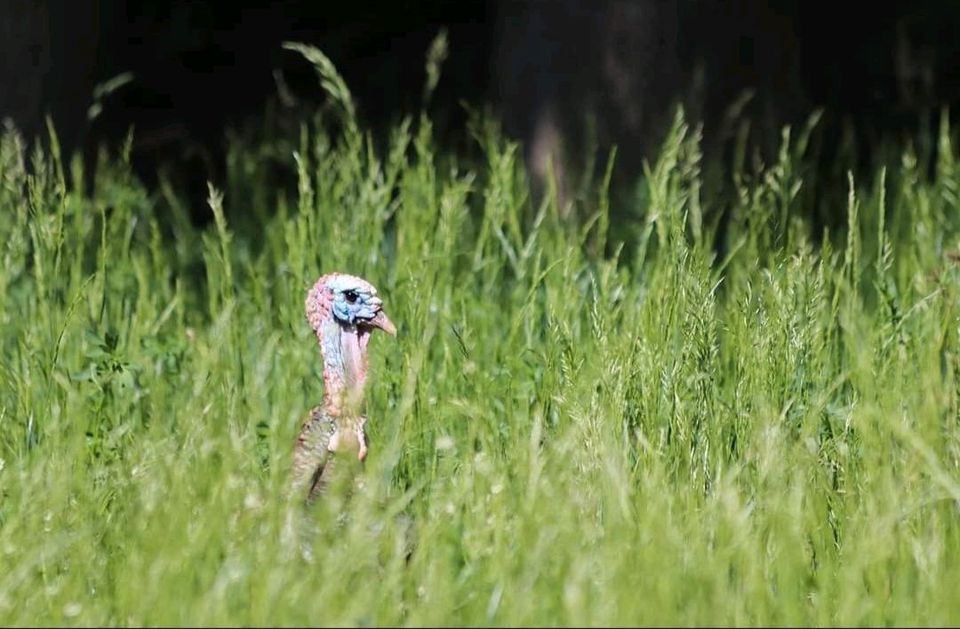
(545, 66)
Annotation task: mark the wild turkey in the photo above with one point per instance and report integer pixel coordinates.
(343, 311)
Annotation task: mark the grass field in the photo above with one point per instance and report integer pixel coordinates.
(565, 431)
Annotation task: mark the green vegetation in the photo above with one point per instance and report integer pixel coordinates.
(565, 431)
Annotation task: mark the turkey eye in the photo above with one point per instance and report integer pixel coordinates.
(350, 296)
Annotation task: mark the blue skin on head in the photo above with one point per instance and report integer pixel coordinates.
(354, 302)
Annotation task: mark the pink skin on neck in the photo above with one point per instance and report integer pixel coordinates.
(344, 350)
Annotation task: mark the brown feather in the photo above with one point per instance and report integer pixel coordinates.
(311, 454)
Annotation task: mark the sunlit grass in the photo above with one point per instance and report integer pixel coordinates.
(564, 431)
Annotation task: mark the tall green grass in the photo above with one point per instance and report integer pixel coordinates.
(577, 424)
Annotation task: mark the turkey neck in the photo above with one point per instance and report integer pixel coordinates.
(344, 349)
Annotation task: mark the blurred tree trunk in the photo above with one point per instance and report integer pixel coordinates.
(570, 75)
(575, 74)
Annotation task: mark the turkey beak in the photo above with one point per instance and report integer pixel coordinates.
(382, 321)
